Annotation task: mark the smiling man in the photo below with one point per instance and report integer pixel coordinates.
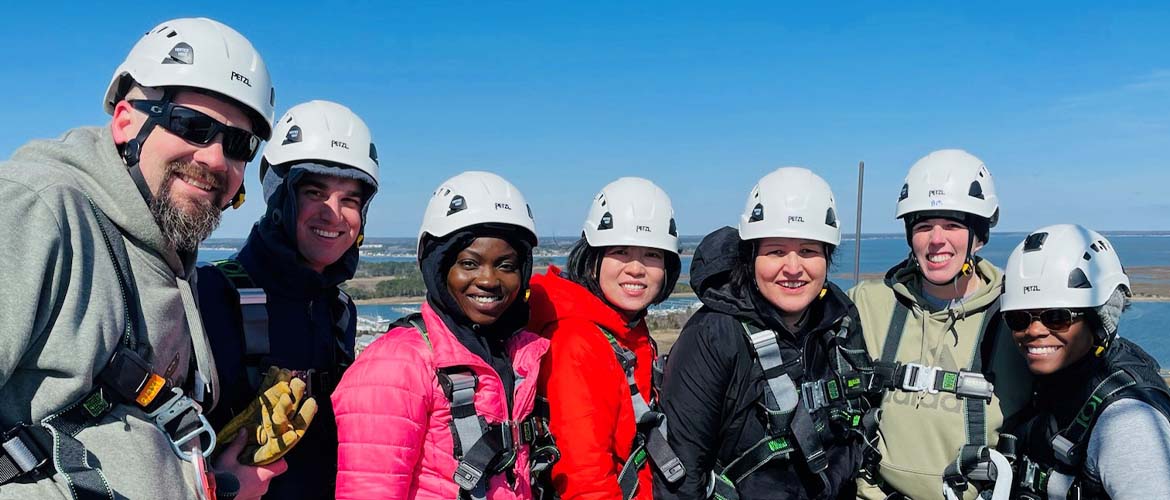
(105, 365)
(934, 319)
(277, 302)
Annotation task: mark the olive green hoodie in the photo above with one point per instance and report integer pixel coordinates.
(921, 433)
(61, 310)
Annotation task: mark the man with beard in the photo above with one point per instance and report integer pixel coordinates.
(105, 367)
(277, 302)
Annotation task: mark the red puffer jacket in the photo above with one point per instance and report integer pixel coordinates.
(592, 417)
(394, 422)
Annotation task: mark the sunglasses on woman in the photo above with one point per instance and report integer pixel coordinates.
(1053, 319)
(196, 127)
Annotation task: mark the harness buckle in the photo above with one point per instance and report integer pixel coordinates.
(974, 385)
(813, 393)
(20, 445)
(176, 408)
(918, 378)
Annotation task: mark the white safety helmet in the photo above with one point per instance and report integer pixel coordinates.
(473, 198)
(631, 211)
(791, 202)
(950, 180)
(204, 54)
(321, 132)
(1064, 265)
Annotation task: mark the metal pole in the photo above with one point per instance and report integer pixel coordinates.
(857, 235)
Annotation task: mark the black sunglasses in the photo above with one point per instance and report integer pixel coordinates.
(193, 126)
(1052, 319)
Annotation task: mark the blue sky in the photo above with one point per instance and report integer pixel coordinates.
(1068, 103)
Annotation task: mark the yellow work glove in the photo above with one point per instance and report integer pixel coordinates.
(274, 421)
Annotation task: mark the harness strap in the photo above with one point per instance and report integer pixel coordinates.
(787, 413)
(650, 440)
(1068, 445)
(894, 334)
(976, 411)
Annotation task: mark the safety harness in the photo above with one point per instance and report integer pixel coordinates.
(484, 449)
(796, 416)
(1063, 478)
(253, 302)
(969, 385)
(650, 440)
(34, 451)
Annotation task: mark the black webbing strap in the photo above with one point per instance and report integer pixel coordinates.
(340, 326)
(765, 450)
(253, 306)
(1068, 445)
(894, 333)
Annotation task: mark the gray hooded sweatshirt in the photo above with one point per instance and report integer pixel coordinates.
(61, 310)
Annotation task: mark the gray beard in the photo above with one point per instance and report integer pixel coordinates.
(181, 230)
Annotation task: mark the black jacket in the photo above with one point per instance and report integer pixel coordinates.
(1060, 397)
(304, 308)
(713, 387)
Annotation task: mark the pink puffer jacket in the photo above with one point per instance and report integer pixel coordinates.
(393, 420)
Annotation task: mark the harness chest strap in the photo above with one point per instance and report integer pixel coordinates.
(651, 438)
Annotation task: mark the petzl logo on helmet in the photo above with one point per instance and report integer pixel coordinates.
(643, 229)
(293, 136)
(181, 53)
(936, 192)
(241, 78)
(1031, 288)
(503, 206)
(338, 144)
(795, 218)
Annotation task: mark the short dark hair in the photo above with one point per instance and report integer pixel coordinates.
(743, 274)
(585, 264)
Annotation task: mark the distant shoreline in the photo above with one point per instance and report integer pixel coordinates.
(381, 301)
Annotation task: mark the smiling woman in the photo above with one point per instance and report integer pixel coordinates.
(626, 260)
(448, 382)
(770, 322)
(1064, 293)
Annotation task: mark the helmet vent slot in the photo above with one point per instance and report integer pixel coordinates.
(1035, 242)
(606, 222)
(757, 213)
(1077, 279)
(976, 190)
(458, 204)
